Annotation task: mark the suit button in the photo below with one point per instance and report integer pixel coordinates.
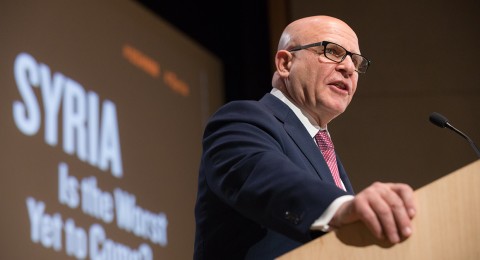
(291, 217)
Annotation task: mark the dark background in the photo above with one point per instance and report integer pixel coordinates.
(424, 61)
(235, 32)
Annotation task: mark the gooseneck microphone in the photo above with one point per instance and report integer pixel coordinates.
(441, 121)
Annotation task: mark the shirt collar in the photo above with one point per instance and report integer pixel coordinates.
(310, 124)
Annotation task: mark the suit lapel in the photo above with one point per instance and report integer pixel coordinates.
(299, 135)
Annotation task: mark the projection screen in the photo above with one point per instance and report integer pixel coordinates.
(102, 108)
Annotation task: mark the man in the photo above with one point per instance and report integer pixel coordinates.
(264, 186)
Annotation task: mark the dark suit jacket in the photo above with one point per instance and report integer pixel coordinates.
(262, 182)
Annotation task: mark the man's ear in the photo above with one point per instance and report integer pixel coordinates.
(283, 62)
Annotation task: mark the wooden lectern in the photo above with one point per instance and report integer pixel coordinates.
(446, 226)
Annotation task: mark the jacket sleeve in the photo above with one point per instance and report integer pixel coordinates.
(252, 164)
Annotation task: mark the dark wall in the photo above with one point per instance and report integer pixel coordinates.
(424, 60)
(236, 32)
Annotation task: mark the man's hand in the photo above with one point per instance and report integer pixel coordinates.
(385, 208)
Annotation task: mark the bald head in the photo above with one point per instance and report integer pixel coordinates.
(316, 84)
(310, 29)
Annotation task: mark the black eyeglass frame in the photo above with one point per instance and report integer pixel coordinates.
(324, 44)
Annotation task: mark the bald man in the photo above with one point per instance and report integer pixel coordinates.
(269, 178)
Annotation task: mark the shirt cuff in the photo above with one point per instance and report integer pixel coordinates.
(322, 222)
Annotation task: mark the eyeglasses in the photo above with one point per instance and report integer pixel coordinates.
(337, 53)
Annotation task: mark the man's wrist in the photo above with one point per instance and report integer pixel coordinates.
(324, 222)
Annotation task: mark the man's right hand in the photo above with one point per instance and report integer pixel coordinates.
(385, 208)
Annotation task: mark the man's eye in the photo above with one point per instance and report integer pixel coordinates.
(333, 51)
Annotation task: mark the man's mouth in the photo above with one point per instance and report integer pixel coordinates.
(341, 85)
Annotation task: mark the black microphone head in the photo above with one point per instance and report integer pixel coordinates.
(438, 120)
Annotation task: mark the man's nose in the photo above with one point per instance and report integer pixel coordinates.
(347, 65)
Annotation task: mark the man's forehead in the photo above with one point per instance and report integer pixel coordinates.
(342, 36)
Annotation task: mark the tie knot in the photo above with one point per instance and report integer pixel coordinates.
(323, 140)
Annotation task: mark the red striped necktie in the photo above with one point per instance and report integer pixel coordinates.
(326, 147)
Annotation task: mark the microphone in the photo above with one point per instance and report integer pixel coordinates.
(442, 122)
